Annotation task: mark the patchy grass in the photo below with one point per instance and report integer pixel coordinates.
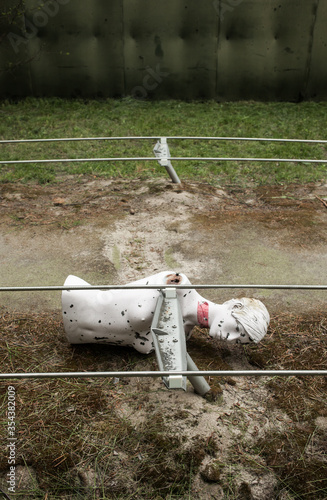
(297, 343)
(298, 455)
(73, 429)
(56, 118)
(80, 439)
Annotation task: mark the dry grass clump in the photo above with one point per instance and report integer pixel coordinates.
(296, 343)
(73, 432)
(298, 455)
(82, 444)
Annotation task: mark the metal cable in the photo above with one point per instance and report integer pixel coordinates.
(156, 287)
(170, 158)
(112, 287)
(172, 137)
(208, 373)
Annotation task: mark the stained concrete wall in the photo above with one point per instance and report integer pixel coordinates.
(213, 49)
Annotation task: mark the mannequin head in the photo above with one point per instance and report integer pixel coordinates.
(241, 321)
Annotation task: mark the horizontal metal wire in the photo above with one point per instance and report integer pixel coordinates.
(156, 287)
(200, 138)
(171, 158)
(209, 373)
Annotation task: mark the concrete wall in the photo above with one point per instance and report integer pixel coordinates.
(213, 49)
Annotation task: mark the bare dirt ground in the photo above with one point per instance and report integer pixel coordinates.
(115, 231)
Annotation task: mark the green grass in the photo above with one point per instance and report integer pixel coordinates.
(56, 118)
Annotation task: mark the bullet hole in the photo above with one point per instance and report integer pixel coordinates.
(173, 278)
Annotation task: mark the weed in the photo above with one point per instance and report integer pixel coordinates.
(68, 224)
(298, 343)
(81, 443)
(302, 474)
(29, 119)
(295, 455)
(73, 433)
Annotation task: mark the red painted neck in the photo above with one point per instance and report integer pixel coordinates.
(203, 314)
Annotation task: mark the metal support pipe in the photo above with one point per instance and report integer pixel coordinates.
(158, 287)
(199, 383)
(195, 373)
(161, 151)
(167, 163)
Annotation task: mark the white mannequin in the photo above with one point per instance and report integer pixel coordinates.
(124, 317)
